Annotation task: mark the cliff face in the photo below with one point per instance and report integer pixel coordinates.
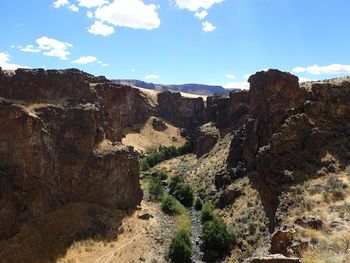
(182, 112)
(282, 131)
(58, 145)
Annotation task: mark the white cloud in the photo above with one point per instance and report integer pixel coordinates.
(30, 48)
(208, 27)
(332, 69)
(60, 3)
(98, 28)
(85, 60)
(5, 62)
(230, 76)
(237, 85)
(50, 47)
(89, 14)
(152, 76)
(104, 65)
(301, 79)
(92, 3)
(133, 70)
(53, 47)
(129, 13)
(73, 8)
(201, 15)
(195, 5)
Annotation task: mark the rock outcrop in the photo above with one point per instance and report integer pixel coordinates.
(224, 110)
(58, 145)
(183, 112)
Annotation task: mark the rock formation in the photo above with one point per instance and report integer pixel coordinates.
(182, 112)
(58, 145)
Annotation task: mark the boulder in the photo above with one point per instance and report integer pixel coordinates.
(281, 240)
(312, 222)
(159, 125)
(207, 137)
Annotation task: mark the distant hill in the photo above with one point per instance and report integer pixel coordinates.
(199, 89)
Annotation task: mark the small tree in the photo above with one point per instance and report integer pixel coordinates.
(155, 188)
(184, 193)
(198, 204)
(216, 237)
(207, 213)
(170, 206)
(174, 181)
(180, 248)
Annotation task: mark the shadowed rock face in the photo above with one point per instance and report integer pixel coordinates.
(58, 145)
(223, 110)
(182, 112)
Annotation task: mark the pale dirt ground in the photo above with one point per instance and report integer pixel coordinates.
(144, 137)
(141, 241)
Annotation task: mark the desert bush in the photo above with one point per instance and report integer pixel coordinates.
(184, 193)
(216, 236)
(207, 213)
(162, 175)
(155, 188)
(144, 166)
(180, 248)
(335, 187)
(198, 205)
(170, 206)
(174, 182)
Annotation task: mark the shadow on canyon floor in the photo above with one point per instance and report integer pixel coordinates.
(48, 238)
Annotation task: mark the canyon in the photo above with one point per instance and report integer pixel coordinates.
(64, 154)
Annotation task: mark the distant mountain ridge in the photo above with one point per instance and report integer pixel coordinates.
(199, 89)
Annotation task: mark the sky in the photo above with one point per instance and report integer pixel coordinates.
(178, 41)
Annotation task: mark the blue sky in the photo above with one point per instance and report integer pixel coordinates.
(178, 41)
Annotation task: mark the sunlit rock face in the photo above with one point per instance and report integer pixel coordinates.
(59, 145)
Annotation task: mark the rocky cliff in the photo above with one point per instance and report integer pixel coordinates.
(181, 111)
(59, 144)
(281, 132)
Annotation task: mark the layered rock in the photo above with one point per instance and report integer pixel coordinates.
(181, 111)
(224, 110)
(56, 146)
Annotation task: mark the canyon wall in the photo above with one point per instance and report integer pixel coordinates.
(282, 131)
(59, 144)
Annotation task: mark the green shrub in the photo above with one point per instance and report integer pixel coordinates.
(198, 205)
(163, 153)
(184, 193)
(162, 175)
(174, 181)
(170, 206)
(155, 188)
(180, 248)
(207, 213)
(144, 166)
(216, 237)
